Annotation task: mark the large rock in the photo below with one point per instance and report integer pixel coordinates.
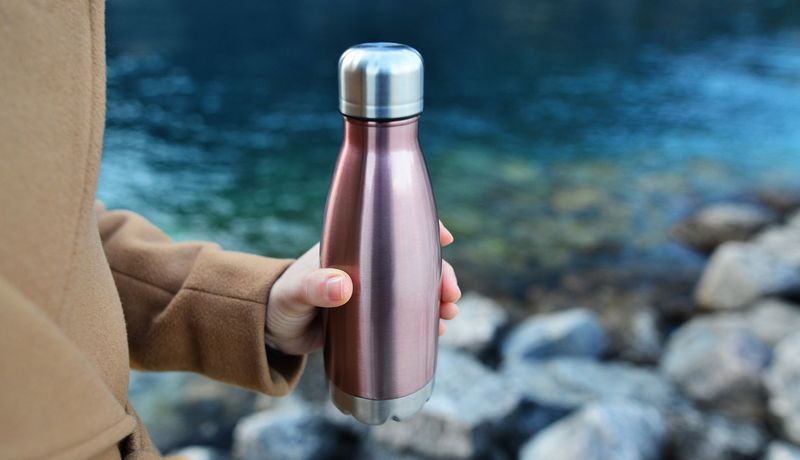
(695, 435)
(716, 224)
(476, 325)
(794, 220)
(640, 341)
(740, 273)
(783, 383)
(718, 362)
(782, 200)
(181, 409)
(771, 320)
(778, 450)
(290, 430)
(569, 383)
(468, 402)
(782, 242)
(575, 332)
(621, 430)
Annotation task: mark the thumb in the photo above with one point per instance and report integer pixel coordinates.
(326, 287)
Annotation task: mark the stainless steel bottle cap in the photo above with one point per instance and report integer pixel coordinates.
(380, 81)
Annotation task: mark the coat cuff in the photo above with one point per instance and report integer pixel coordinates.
(233, 290)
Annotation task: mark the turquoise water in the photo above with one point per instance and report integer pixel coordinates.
(561, 136)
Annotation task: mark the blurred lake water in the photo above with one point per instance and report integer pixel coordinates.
(561, 136)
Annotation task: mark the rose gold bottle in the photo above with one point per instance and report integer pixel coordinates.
(381, 227)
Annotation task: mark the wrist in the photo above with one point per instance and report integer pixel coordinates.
(282, 327)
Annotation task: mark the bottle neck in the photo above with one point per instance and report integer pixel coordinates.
(390, 135)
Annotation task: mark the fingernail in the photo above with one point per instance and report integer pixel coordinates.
(450, 235)
(334, 288)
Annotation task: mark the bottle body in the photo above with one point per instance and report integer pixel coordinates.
(381, 227)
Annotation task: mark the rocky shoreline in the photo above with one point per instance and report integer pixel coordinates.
(720, 382)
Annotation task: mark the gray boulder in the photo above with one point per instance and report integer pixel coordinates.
(468, 401)
(782, 242)
(718, 362)
(718, 223)
(740, 273)
(695, 435)
(569, 383)
(778, 450)
(182, 409)
(476, 325)
(290, 430)
(575, 332)
(771, 320)
(783, 384)
(619, 430)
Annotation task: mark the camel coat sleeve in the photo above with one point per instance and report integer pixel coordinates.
(194, 307)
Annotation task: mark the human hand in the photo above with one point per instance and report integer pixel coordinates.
(293, 324)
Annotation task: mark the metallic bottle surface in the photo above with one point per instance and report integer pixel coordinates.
(381, 227)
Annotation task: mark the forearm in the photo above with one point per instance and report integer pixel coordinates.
(192, 306)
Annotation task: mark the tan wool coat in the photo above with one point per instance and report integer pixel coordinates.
(86, 294)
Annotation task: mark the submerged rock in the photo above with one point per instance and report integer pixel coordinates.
(718, 223)
(695, 435)
(468, 402)
(569, 383)
(718, 362)
(623, 430)
(476, 325)
(739, 273)
(778, 450)
(181, 409)
(575, 332)
(290, 430)
(783, 384)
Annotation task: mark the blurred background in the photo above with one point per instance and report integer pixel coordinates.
(573, 146)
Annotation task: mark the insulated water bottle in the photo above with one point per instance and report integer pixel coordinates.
(381, 227)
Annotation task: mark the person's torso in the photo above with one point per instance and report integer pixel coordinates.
(51, 127)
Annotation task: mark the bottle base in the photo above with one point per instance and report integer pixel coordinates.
(378, 411)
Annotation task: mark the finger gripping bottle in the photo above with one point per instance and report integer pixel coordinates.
(381, 227)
